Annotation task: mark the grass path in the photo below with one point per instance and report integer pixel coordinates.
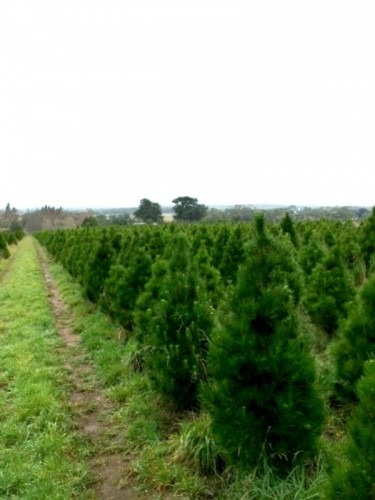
(93, 410)
(57, 435)
(41, 454)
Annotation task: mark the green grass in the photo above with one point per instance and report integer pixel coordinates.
(40, 454)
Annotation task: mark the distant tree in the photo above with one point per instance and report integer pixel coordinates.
(188, 209)
(120, 220)
(241, 213)
(216, 215)
(148, 211)
(11, 219)
(91, 221)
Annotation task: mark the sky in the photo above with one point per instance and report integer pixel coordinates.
(106, 102)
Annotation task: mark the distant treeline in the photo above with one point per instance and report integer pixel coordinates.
(50, 218)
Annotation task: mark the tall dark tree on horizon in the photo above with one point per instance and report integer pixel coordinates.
(149, 211)
(188, 209)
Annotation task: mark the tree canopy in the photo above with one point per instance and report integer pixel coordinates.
(188, 209)
(148, 211)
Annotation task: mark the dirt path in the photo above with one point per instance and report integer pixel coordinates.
(92, 410)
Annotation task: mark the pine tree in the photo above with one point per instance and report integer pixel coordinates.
(356, 342)
(330, 288)
(353, 477)
(124, 285)
(98, 263)
(4, 252)
(287, 227)
(367, 241)
(312, 251)
(261, 392)
(232, 254)
(173, 323)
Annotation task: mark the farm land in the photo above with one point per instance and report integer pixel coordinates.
(210, 360)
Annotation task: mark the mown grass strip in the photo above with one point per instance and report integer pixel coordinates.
(40, 456)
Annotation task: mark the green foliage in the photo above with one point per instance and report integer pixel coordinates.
(356, 342)
(209, 276)
(353, 477)
(124, 285)
(91, 221)
(188, 209)
(330, 288)
(148, 211)
(287, 227)
(174, 321)
(232, 254)
(367, 239)
(312, 250)
(97, 266)
(261, 392)
(4, 251)
(351, 253)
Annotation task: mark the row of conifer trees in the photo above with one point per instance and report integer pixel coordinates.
(8, 238)
(229, 319)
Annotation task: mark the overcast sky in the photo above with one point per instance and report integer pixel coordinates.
(105, 102)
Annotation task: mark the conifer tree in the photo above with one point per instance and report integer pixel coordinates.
(173, 322)
(367, 241)
(287, 227)
(356, 342)
(353, 477)
(351, 252)
(210, 277)
(329, 290)
(97, 265)
(261, 393)
(124, 285)
(232, 254)
(312, 251)
(4, 252)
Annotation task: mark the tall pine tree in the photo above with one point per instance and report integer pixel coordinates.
(261, 392)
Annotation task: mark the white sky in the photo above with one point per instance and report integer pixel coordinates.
(105, 102)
